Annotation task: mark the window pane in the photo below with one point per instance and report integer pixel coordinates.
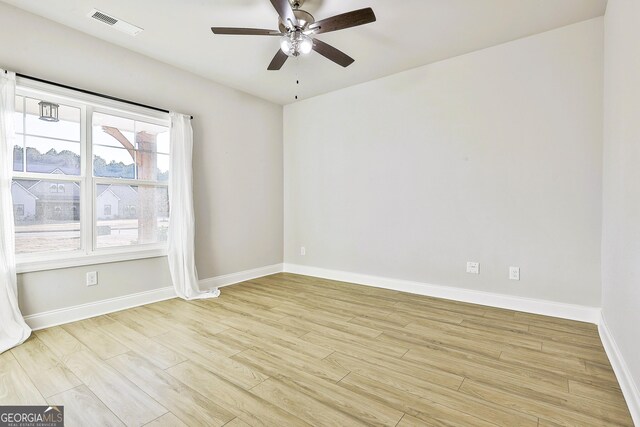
(163, 142)
(109, 130)
(18, 154)
(52, 156)
(47, 215)
(18, 115)
(67, 126)
(131, 215)
(113, 162)
(18, 148)
(163, 167)
(125, 148)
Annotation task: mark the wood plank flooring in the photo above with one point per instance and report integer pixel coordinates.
(289, 350)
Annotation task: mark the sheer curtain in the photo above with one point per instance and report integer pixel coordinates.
(13, 329)
(182, 263)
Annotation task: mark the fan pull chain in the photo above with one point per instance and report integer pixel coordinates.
(297, 78)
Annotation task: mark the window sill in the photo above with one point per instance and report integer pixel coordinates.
(71, 260)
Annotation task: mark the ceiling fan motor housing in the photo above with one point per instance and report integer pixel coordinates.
(304, 20)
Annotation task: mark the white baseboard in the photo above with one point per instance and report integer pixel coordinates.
(548, 308)
(98, 308)
(626, 381)
(529, 305)
(241, 276)
(84, 311)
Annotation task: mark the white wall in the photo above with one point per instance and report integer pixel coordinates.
(237, 157)
(494, 157)
(621, 190)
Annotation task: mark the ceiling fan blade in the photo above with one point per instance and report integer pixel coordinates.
(345, 20)
(284, 9)
(332, 53)
(245, 31)
(278, 61)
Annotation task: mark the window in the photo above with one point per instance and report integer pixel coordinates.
(131, 166)
(92, 185)
(52, 160)
(56, 188)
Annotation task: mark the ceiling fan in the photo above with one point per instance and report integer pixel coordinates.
(297, 29)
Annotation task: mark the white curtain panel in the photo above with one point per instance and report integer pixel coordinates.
(13, 329)
(182, 261)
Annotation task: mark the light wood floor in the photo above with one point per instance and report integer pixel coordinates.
(290, 350)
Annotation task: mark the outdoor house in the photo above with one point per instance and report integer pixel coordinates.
(38, 200)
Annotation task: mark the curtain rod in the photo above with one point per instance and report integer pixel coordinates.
(88, 92)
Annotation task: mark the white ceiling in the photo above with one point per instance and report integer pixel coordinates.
(407, 34)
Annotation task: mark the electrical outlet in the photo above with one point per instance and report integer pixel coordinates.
(514, 273)
(303, 250)
(92, 278)
(473, 267)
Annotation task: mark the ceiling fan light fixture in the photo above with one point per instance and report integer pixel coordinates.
(287, 46)
(296, 44)
(306, 45)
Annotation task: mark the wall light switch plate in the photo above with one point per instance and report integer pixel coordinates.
(514, 273)
(92, 278)
(473, 267)
(303, 250)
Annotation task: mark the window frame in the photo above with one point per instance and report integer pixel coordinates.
(89, 253)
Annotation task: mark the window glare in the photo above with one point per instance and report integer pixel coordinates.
(163, 142)
(18, 117)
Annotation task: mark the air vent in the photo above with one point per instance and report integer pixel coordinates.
(104, 18)
(113, 22)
